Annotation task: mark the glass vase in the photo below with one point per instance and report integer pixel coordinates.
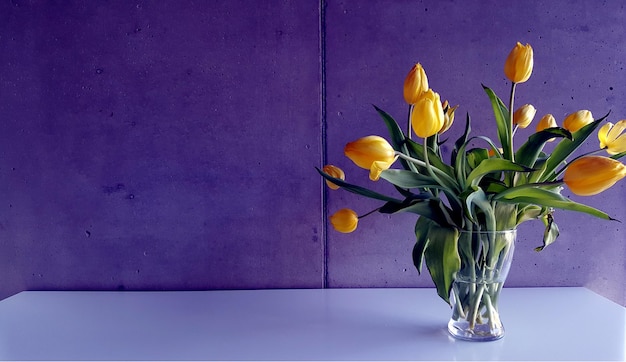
(485, 261)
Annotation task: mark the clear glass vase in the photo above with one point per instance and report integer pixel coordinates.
(485, 261)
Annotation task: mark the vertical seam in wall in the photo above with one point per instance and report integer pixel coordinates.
(322, 50)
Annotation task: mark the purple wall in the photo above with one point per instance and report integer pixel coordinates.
(172, 144)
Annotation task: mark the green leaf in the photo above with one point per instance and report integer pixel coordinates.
(431, 208)
(478, 198)
(541, 197)
(461, 141)
(527, 154)
(421, 235)
(566, 147)
(416, 150)
(409, 179)
(442, 258)
(551, 232)
(491, 165)
(503, 121)
(357, 189)
(397, 136)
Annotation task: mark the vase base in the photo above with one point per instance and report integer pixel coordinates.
(479, 333)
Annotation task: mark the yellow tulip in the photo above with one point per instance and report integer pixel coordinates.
(591, 175)
(577, 120)
(335, 172)
(524, 115)
(545, 122)
(415, 84)
(519, 64)
(427, 117)
(448, 116)
(378, 167)
(367, 150)
(612, 137)
(344, 220)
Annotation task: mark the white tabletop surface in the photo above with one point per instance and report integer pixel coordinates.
(302, 324)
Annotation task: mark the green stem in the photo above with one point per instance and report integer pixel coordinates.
(510, 130)
(510, 149)
(408, 127)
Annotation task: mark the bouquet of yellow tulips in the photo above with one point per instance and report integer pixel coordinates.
(489, 189)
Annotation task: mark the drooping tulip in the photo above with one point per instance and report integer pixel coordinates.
(415, 84)
(612, 137)
(335, 172)
(591, 175)
(448, 116)
(577, 120)
(344, 220)
(524, 115)
(545, 122)
(519, 64)
(427, 117)
(371, 152)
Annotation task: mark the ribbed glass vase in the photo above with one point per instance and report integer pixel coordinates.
(485, 261)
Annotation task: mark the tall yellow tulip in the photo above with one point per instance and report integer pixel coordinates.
(577, 120)
(524, 115)
(372, 153)
(427, 117)
(519, 64)
(612, 137)
(344, 220)
(335, 172)
(591, 175)
(415, 84)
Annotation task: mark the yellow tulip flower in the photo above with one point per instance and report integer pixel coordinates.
(344, 220)
(365, 151)
(415, 84)
(519, 64)
(545, 122)
(591, 175)
(612, 137)
(524, 115)
(427, 117)
(577, 120)
(335, 172)
(448, 116)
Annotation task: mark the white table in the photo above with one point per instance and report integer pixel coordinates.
(301, 324)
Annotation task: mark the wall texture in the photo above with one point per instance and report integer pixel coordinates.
(148, 145)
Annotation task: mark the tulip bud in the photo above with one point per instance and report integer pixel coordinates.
(546, 121)
(591, 175)
(577, 120)
(612, 137)
(335, 172)
(415, 84)
(365, 151)
(448, 116)
(344, 220)
(524, 115)
(519, 64)
(427, 117)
